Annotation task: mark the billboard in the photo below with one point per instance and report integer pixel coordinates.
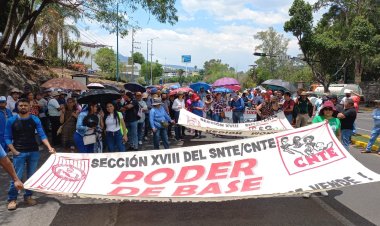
(186, 58)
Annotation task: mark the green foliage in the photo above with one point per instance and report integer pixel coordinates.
(138, 58)
(157, 71)
(105, 58)
(215, 69)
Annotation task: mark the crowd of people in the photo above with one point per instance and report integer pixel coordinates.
(126, 123)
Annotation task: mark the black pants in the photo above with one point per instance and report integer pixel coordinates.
(55, 124)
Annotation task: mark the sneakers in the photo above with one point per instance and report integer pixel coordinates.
(145, 138)
(12, 205)
(324, 193)
(140, 142)
(30, 201)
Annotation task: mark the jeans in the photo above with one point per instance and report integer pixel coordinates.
(217, 117)
(374, 134)
(3, 144)
(302, 120)
(114, 141)
(78, 140)
(346, 138)
(19, 161)
(237, 117)
(132, 134)
(289, 117)
(163, 134)
(178, 130)
(140, 132)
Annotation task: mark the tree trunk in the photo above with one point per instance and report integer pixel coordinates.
(9, 25)
(358, 70)
(29, 27)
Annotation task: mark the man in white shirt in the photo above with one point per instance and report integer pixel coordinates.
(12, 100)
(54, 115)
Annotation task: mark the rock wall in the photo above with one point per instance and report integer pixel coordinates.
(22, 75)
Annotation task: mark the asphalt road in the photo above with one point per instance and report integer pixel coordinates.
(364, 122)
(357, 205)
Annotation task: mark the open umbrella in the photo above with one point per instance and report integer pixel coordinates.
(198, 85)
(134, 87)
(64, 83)
(233, 87)
(183, 89)
(225, 81)
(95, 86)
(98, 96)
(278, 84)
(175, 86)
(222, 90)
(112, 87)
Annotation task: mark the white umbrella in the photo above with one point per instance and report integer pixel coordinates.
(95, 86)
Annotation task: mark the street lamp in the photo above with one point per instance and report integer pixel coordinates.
(117, 41)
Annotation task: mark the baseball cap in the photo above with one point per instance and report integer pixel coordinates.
(347, 91)
(3, 99)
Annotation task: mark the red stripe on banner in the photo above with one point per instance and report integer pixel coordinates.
(48, 170)
(86, 171)
(78, 183)
(75, 164)
(68, 183)
(55, 179)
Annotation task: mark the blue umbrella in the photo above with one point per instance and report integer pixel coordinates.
(198, 85)
(175, 86)
(222, 90)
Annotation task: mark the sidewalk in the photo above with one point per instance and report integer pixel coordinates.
(362, 141)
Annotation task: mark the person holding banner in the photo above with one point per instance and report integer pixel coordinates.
(159, 120)
(197, 109)
(326, 114)
(20, 138)
(178, 104)
(288, 107)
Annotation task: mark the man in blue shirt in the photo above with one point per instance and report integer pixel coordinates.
(237, 106)
(5, 114)
(375, 130)
(159, 121)
(197, 109)
(20, 138)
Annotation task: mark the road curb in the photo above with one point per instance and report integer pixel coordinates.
(362, 143)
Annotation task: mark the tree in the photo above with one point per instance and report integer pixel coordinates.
(105, 58)
(215, 69)
(23, 15)
(322, 47)
(138, 58)
(274, 45)
(157, 70)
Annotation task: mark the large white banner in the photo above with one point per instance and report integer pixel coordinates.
(274, 124)
(307, 159)
(248, 113)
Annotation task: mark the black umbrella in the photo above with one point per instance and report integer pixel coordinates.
(134, 87)
(111, 87)
(98, 96)
(281, 84)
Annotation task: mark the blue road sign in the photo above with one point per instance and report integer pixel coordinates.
(186, 58)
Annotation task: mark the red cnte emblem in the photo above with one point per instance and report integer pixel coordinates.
(193, 121)
(68, 172)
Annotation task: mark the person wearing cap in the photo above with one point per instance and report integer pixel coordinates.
(375, 130)
(20, 138)
(347, 119)
(178, 104)
(247, 103)
(131, 109)
(237, 106)
(159, 121)
(54, 110)
(12, 100)
(304, 110)
(141, 122)
(197, 107)
(5, 114)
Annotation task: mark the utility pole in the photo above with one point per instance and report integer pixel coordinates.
(151, 60)
(117, 42)
(133, 51)
(147, 61)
